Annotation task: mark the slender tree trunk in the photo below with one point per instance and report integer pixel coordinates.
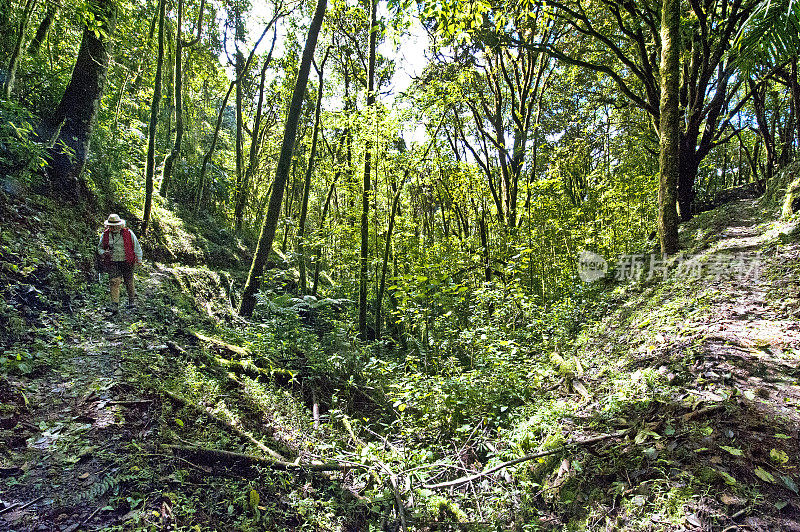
(264, 246)
(239, 125)
(482, 230)
(75, 114)
(5, 21)
(151, 131)
(13, 62)
(301, 228)
(43, 29)
(318, 254)
(210, 152)
(252, 162)
(364, 256)
(794, 83)
(385, 263)
(669, 127)
(166, 172)
(767, 136)
(201, 181)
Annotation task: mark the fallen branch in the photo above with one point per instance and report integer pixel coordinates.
(398, 499)
(224, 423)
(208, 455)
(241, 351)
(244, 367)
(527, 457)
(130, 402)
(9, 508)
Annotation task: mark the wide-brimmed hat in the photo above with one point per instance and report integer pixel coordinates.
(114, 220)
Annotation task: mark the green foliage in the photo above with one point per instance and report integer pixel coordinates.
(21, 155)
(771, 33)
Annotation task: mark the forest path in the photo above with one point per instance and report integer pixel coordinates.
(722, 330)
(71, 444)
(750, 328)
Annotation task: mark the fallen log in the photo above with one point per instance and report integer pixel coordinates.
(210, 456)
(527, 457)
(226, 425)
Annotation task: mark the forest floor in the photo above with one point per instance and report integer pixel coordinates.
(83, 427)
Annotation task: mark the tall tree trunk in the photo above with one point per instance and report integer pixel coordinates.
(795, 85)
(252, 162)
(767, 136)
(201, 181)
(301, 228)
(363, 257)
(264, 246)
(13, 62)
(166, 172)
(44, 27)
(484, 235)
(169, 161)
(76, 112)
(5, 22)
(151, 131)
(669, 127)
(385, 263)
(239, 124)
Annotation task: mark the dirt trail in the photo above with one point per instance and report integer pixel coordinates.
(751, 328)
(736, 347)
(67, 450)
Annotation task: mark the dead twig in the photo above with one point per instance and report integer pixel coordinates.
(701, 412)
(91, 515)
(9, 508)
(401, 511)
(34, 501)
(527, 457)
(132, 402)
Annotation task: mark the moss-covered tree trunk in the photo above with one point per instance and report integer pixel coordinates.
(795, 85)
(43, 29)
(669, 127)
(240, 72)
(270, 224)
(151, 130)
(13, 62)
(177, 84)
(74, 117)
(252, 161)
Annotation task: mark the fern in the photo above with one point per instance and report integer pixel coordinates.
(101, 487)
(771, 33)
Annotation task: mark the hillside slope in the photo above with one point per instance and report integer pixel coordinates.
(693, 378)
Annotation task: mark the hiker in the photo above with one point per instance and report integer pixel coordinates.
(120, 252)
